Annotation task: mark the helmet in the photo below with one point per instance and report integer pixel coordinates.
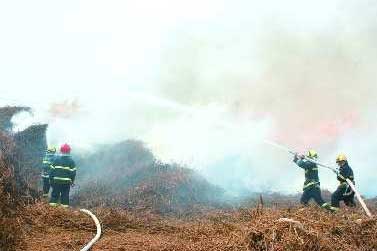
(341, 157)
(312, 154)
(65, 149)
(51, 149)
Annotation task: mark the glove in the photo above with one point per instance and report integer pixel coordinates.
(295, 158)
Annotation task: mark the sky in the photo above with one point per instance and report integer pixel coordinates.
(202, 83)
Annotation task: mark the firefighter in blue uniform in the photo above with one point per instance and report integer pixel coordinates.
(311, 189)
(344, 191)
(62, 177)
(46, 165)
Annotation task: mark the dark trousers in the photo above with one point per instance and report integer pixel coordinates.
(46, 186)
(313, 192)
(60, 193)
(342, 193)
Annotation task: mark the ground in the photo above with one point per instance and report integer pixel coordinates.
(241, 229)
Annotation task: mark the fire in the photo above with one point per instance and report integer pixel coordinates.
(67, 109)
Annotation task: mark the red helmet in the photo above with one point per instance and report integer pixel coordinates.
(65, 149)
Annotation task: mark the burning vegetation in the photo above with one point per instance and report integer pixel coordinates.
(128, 175)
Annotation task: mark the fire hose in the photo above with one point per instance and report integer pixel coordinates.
(98, 225)
(349, 182)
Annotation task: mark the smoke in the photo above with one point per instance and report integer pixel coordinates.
(313, 81)
(204, 84)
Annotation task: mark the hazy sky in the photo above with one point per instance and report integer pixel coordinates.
(201, 82)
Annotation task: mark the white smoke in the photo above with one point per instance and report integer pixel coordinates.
(203, 83)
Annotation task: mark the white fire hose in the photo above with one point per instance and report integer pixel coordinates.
(349, 182)
(98, 225)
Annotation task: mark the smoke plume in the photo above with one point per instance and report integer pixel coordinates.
(205, 84)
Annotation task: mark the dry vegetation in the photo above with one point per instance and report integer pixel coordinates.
(9, 198)
(19, 158)
(157, 207)
(242, 229)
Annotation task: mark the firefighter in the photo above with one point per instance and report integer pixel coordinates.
(311, 187)
(46, 165)
(62, 177)
(344, 191)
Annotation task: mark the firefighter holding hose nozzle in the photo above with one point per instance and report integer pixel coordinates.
(344, 192)
(311, 189)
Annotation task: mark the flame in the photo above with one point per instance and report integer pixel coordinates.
(66, 109)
